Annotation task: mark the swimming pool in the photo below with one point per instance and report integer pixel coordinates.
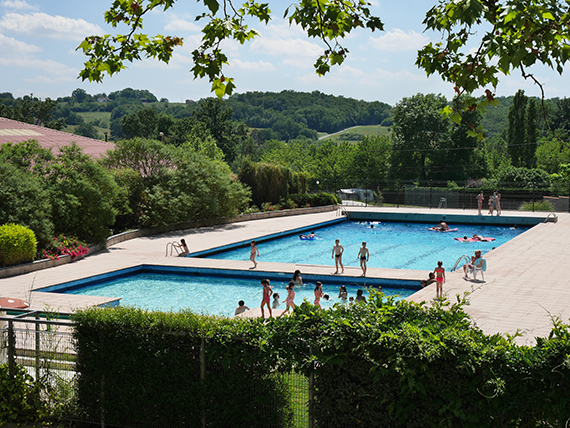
(213, 295)
(391, 245)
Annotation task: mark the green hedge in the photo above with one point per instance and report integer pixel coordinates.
(140, 368)
(315, 199)
(17, 244)
(379, 364)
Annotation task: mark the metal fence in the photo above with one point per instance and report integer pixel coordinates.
(435, 195)
(43, 344)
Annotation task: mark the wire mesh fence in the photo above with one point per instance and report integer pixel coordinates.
(512, 196)
(45, 348)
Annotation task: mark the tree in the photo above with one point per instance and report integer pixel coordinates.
(516, 130)
(86, 130)
(418, 132)
(512, 34)
(370, 161)
(531, 134)
(80, 95)
(329, 21)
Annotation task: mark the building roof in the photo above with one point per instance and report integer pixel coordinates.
(12, 131)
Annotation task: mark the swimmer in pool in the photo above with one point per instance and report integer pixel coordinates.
(290, 300)
(318, 293)
(337, 255)
(363, 256)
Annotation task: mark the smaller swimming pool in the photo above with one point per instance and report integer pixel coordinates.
(213, 295)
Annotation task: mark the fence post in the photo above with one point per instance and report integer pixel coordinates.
(202, 379)
(38, 346)
(311, 390)
(11, 350)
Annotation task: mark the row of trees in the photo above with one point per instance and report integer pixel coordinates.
(140, 183)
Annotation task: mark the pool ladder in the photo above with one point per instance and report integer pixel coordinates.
(464, 258)
(551, 218)
(172, 247)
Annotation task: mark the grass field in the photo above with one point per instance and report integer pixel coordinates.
(357, 133)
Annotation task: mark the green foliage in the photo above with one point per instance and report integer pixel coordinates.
(327, 20)
(33, 110)
(523, 177)
(83, 196)
(158, 355)
(25, 200)
(22, 402)
(320, 199)
(164, 184)
(537, 206)
(17, 244)
(481, 39)
(378, 364)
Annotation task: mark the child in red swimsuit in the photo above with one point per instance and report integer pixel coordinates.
(439, 278)
(267, 292)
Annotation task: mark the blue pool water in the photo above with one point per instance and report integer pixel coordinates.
(391, 245)
(206, 294)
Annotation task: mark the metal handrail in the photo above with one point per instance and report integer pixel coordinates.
(465, 258)
(172, 247)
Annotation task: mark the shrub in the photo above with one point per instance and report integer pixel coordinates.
(21, 398)
(62, 245)
(17, 244)
(537, 206)
(315, 199)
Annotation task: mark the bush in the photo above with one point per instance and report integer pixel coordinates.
(17, 244)
(315, 199)
(62, 245)
(21, 398)
(537, 206)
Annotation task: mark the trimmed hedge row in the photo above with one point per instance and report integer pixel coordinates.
(17, 244)
(379, 364)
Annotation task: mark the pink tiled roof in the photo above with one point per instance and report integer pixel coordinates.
(12, 131)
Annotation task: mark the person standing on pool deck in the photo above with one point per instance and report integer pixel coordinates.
(254, 253)
(318, 293)
(290, 304)
(337, 255)
(267, 292)
(439, 278)
(363, 256)
(480, 199)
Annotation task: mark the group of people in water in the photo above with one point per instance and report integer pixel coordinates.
(297, 280)
(337, 252)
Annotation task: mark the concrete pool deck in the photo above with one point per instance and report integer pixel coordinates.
(526, 282)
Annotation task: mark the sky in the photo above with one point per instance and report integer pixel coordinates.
(38, 41)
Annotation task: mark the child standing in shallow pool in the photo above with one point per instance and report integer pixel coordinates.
(254, 253)
(267, 292)
(439, 278)
(275, 303)
(318, 294)
(290, 298)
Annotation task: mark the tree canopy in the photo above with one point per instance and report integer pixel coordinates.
(508, 35)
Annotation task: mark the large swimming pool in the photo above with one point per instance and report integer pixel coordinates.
(391, 245)
(206, 294)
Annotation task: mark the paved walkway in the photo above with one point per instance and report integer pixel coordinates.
(526, 282)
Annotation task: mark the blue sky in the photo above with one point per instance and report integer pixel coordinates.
(38, 41)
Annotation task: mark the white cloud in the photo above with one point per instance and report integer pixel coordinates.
(10, 47)
(237, 64)
(46, 66)
(397, 40)
(180, 24)
(18, 4)
(43, 25)
(295, 48)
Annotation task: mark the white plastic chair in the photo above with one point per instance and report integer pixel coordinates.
(481, 269)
